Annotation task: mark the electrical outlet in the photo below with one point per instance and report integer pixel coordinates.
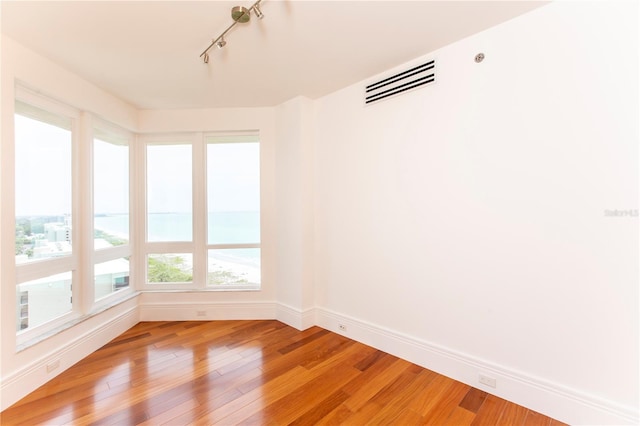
(486, 380)
(201, 313)
(342, 327)
(53, 365)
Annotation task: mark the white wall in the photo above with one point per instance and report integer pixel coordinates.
(294, 221)
(463, 225)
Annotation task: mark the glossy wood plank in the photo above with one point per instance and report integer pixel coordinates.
(461, 417)
(448, 402)
(514, 415)
(491, 412)
(254, 373)
(473, 400)
(536, 419)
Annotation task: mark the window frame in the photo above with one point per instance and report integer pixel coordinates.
(199, 246)
(229, 138)
(81, 263)
(104, 130)
(165, 247)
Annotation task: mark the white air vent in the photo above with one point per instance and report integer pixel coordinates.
(401, 83)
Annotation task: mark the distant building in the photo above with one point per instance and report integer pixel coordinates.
(57, 232)
(46, 298)
(56, 241)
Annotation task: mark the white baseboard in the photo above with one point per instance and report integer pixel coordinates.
(296, 318)
(20, 383)
(206, 311)
(552, 399)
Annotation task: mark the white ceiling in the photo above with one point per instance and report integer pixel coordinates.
(147, 52)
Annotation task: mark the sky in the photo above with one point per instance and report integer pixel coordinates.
(110, 178)
(233, 177)
(43, 174)
(169, 179)
(43, 168)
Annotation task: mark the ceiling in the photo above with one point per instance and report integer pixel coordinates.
(147, 52)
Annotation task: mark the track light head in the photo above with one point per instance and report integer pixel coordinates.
(206, 58)
(258, 12)
(240, 14)
(221, 43)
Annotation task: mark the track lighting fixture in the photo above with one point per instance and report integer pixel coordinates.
(240, 15)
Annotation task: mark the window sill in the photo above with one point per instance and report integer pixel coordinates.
(46, 335)
(105, 307)
(202, 290)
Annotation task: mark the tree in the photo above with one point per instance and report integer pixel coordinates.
(168, 270)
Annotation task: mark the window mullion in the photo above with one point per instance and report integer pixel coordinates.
(199, 212)
(138, 215)
(83, 290)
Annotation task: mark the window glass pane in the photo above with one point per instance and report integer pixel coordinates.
(233, 198)
(43, 300)
(234, 267)
(43, 189)
(170, 268)
(111, 193)
(111, 276)
(169, 205)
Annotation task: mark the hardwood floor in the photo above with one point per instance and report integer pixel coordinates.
(254, 373)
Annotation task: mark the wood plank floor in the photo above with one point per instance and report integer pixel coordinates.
(254, 373)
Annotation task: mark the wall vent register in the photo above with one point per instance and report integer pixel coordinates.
(402, 82)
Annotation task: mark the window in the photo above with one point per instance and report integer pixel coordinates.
(233, 212)
(169, 201)
(111, 200)
(45, 220)
(203, 211)
(53, 168)
(110, 190)
(54, 255)
(169, 244)
(43, 191)
(111, 276)
(44, 300)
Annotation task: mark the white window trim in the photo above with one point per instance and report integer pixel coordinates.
(100, 126)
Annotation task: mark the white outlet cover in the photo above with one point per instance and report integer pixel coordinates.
(486, 380)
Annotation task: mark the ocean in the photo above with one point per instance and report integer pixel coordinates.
(224, 227)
